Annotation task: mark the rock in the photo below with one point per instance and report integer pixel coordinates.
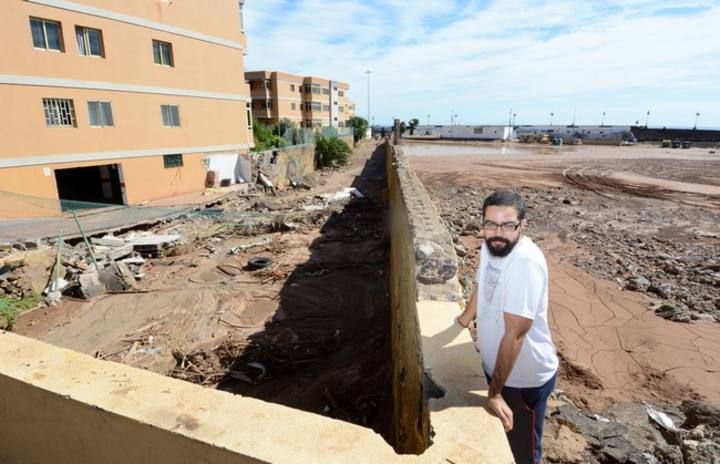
(642, 434)
(595, 432)
(668, 454)
(117, 277)
(618, 450)
(701, 452)
(699, 413)
(437, 269)
(637, 282)
(565, 446)
(460, 250)
(90, 285)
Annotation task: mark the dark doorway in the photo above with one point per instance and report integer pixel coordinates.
(89, 187)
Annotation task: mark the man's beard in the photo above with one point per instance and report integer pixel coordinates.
(502, 251)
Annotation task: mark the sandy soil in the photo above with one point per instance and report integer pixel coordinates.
(592, 209)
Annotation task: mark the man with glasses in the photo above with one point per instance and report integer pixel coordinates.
(510, 307)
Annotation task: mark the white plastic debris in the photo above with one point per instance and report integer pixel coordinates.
(662, 419)
(600, 418)
(344, 194)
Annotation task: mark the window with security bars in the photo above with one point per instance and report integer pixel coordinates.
(46, 34)
(170, 115)
(89, 41)
(162, 53)
(59, 112)
(100, 113)
(173, 161)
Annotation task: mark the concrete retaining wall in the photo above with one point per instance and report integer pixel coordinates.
(285, 164)
(438, 381)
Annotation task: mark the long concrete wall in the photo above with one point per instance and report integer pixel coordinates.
(438, 383)
(63, 407)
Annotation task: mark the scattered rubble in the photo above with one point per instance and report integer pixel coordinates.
(634, 433)
(675, 265)
(306, 325)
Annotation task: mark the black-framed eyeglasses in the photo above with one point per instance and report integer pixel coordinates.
(505, 226)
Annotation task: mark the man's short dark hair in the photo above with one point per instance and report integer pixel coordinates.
(507, 198)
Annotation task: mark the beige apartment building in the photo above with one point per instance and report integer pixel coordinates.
(118, 101)
(307, 100)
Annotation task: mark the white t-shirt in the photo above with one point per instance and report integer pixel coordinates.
(516, 284)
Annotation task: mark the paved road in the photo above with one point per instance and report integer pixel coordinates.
(105, 220)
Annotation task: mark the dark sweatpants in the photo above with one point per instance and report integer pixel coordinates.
(528, 408)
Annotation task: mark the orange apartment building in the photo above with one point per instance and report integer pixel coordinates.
(118, 101)
(307, 100)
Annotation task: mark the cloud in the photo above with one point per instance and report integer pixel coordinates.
(482, 58)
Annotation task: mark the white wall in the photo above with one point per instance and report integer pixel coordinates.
(229, 165)
(474, 132)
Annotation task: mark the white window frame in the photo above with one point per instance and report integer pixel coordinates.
(166, 112)
(104, 112)
(85, 50)
(45, 37)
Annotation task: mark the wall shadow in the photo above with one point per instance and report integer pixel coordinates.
(327, 349)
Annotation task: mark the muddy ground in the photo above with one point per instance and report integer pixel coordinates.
(310, 331)
(632, 241)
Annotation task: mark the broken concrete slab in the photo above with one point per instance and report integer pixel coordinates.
(117, 277)
(108, 240)
(154, 243)
(89, 285)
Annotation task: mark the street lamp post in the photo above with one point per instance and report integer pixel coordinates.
(697, 116)
(647, 118)
(368, 94)
(513, 119)
(551, 117)
(602, 123)
(428, 118)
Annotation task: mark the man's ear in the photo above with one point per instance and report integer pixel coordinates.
(524, 223)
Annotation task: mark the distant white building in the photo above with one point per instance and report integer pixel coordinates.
(462, 132)
(593, 134)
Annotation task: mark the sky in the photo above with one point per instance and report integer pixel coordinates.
(486, 60)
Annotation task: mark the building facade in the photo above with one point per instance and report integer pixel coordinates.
(593, 134)
(462, 132)
(118, 101)
(306, 100)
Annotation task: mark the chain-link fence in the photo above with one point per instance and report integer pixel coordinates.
(291, 135)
